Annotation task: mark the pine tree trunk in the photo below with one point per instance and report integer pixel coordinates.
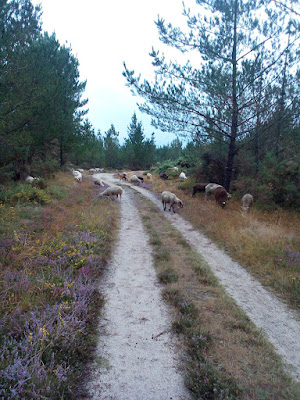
(234, 118)
(61, 154)
(256, 148)
(281, 110)
(229, 166)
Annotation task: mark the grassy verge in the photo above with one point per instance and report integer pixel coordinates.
(52, 253)
(225, 356)
(267, 243)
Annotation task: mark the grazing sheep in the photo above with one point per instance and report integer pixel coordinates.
(30, 179)
(163, 175)
(210, 189)
(97, 181)
(199, 187)
(76, 173)
(175, 169)
(247, 201)
(149, 176)
(113, 191)
(123, 176)
(78, 177)
(168, 197)
(221, 196)
(134, 179)
(141, 178)
(182, 175)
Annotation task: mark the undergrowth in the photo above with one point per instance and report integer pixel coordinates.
(50, 260)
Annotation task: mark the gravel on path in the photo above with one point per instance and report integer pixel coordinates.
(137, 357)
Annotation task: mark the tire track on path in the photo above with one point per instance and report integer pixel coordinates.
(136, 350)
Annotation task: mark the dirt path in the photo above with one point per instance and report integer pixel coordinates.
(281, 325)
(137, 357)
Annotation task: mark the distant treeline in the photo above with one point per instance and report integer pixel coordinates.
(43, 125)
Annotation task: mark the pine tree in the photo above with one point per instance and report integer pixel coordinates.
(135, 143)
(111, 148)
(40, 91)
(215, 100)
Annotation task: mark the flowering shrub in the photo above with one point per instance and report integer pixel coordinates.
(24, 193)
(37, 343)
(48, 288)
(290, 258)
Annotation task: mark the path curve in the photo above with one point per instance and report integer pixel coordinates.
(280, 324)
(136, 349)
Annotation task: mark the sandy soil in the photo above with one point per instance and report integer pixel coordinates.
(135, 342)
(137, 356)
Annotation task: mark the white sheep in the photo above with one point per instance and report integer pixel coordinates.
(29, 179)
(134, 179)
(149, 176)
(97, 181)
(113, 191)
(168, 197)
(247, 201)
(78, 177)
(182, 175)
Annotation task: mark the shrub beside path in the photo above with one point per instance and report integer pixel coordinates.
(136, 356)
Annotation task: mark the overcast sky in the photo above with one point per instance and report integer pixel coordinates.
(103, 34)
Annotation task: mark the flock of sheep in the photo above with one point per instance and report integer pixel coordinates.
(110, 191)
(220, 193)
(133, 178)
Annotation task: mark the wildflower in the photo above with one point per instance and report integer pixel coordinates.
(44, 332)
(30, 337)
